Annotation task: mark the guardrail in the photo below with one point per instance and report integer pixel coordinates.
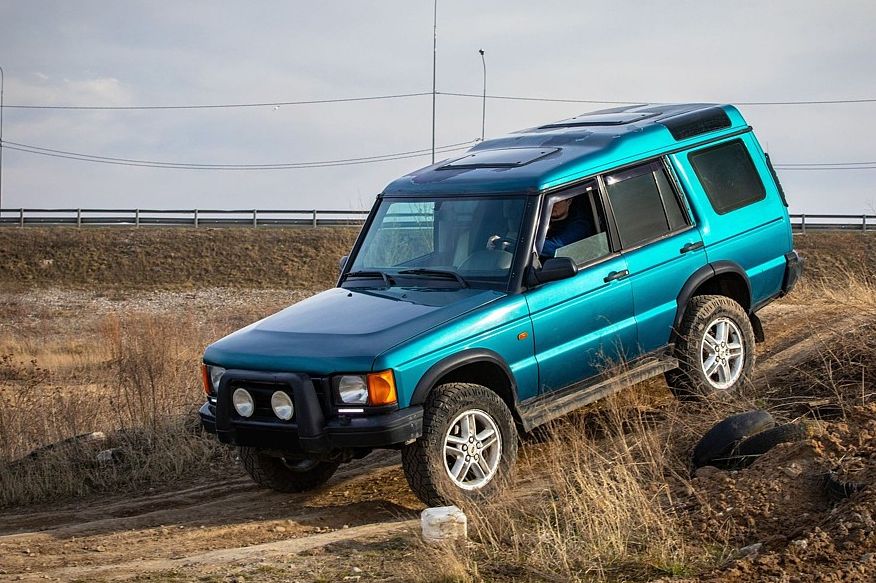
(23, 217)
(181, 217)
(837, 222)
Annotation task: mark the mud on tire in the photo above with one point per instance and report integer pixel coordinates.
(281, 475)
(706, 316)
(427, 464)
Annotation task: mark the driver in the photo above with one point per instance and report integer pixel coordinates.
(568, 225)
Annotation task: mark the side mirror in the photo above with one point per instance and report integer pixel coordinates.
(554, 269)
(342, 262)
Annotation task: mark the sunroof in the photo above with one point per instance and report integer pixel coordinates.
(601, 119)
(500, 158)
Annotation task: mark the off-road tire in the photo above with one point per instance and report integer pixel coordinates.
(751, 448)
(277, 474)
(718, 443)
(689, 381)
(423, 460)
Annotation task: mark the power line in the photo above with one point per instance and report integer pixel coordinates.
(37, 150)
(826, 168)
(222, 105)
(615, 102)
(416, 94)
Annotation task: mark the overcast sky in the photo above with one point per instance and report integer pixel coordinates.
(175, 53)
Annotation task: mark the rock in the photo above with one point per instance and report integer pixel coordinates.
(801, 543)
(279, 529)
(444, 523)
(110, 456)
(867, 557)
(750, 550)
(100, 549)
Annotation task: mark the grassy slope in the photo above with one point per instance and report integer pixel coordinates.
(159, 258)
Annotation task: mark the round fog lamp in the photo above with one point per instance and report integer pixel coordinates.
(243, 403)
(281, 403)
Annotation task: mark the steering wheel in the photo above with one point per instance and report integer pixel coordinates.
(499, 243)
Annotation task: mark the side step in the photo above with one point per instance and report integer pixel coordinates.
(543, 408)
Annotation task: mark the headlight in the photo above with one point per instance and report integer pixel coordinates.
(353, 389)
(243, 403)
(375, 389)
(281, 403)
(216, 373)
(211, 375)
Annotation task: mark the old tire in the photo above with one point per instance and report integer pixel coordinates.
(717, 445)
(715, 348)
(468, 447)
(283, 475)
(751, 448)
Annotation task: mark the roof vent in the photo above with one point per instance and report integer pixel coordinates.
(499, 158)
(688, 125)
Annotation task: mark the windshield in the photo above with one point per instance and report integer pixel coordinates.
(444, 242)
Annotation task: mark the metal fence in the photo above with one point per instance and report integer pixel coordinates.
(181, 217)
(23, 217)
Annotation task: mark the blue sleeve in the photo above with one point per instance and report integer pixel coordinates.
(572, 231)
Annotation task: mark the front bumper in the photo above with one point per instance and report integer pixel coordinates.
(793, 271)
(315, 427)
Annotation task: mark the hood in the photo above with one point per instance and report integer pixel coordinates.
(342, 330)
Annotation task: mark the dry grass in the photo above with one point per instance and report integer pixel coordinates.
(140, 390)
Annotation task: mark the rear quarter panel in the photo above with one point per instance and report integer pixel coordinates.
(756, 236)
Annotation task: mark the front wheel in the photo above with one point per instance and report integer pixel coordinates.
(715, 349)
(468, 447)
(285, 475)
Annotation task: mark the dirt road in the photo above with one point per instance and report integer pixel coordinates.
(233, 531)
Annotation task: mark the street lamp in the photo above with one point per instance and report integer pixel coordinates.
(484, 112)
(2, 82)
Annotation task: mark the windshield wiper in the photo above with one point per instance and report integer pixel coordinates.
(371, 274)
(435, 272)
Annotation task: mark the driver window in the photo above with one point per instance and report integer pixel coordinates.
(574, 226)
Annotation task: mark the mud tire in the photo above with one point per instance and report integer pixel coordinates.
(689, 381)
(423, 461)
(717, 445)
(283, 476)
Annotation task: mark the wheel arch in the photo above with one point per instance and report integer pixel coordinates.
(723, 278)
(477, 365)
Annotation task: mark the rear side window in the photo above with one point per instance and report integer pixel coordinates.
(728, 176)
(644, 204)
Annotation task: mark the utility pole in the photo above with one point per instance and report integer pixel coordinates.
(484, 112)
(434, 64)
(2, 83)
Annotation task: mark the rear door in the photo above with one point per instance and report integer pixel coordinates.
(659, 242)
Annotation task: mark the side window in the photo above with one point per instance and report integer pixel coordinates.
(728, 176)
(574, 226)
(643, 203)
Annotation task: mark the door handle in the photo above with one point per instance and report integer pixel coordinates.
(615, 275)
(691, 246)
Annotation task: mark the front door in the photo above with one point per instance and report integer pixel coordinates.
(585, 324)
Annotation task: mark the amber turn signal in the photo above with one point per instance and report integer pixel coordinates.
(381, 388)
(205, 377)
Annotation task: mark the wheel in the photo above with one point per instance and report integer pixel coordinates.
(751, 448)
(718, 442)
(715, 349)
(468, 447)
(284, 475)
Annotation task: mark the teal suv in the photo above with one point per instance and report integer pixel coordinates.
(492, 292)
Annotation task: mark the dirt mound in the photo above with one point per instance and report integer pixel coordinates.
(781, 514)
(153, 258)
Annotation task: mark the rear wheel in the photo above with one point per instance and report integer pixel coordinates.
(715, 349)
(468, 447)
(285, 475)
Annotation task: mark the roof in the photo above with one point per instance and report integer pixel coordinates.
(547, 156)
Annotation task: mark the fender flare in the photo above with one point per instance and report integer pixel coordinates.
(699, 277)
(456, 361)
